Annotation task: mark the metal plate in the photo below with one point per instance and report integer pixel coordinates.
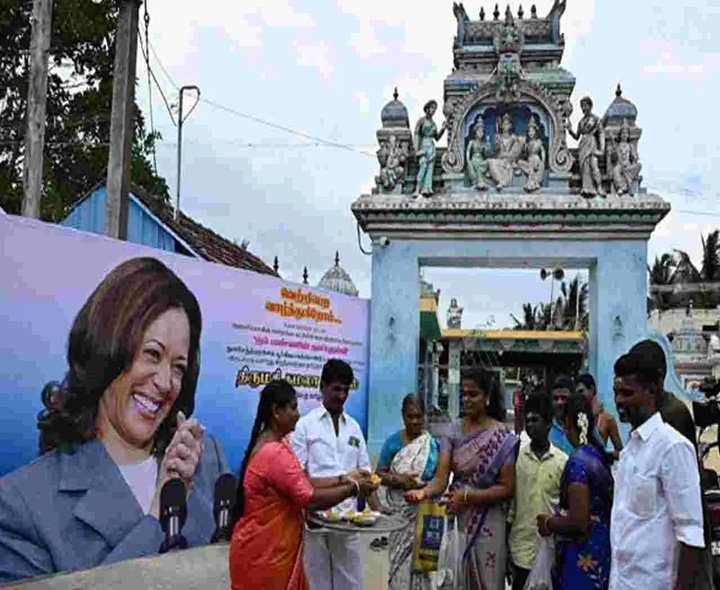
(385, 524)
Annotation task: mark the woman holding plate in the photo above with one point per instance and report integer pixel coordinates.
(407, 461)
(266, 550)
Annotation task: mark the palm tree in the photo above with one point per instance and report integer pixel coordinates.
(561, 314)
(662, 270)
(678, 269)
(661, 273)
(572, 305)
(529, 317)
(685, 270)
(710, 269)
(535, 317)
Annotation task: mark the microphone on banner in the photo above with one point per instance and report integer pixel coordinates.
(223, 507)
(173, 513)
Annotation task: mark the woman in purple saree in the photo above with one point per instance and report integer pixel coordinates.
(480, 452)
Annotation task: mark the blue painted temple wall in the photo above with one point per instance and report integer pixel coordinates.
(618, 307)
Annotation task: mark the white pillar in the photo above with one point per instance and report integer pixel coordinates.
(454, 347)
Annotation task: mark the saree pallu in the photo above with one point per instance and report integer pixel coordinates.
(412, 458)
(477, 460)
(267, 542)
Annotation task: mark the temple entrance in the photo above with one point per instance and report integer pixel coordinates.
(507, 192)
(533, 330)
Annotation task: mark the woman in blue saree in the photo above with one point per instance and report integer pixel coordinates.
(582, 523)
(480, 452)
(407, 461)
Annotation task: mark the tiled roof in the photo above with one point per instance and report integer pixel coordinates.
(205, 242)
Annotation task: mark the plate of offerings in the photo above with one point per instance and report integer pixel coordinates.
(354, 521)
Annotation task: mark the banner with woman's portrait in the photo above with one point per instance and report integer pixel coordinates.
(254, 328)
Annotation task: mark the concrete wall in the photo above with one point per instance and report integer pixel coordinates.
(672, 320)
(618, 287)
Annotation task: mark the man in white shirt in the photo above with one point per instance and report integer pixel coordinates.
(656, 529)
(329, 445)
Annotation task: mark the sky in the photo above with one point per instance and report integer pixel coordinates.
(326, 69)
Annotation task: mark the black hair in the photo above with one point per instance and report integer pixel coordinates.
(578, 404)
(336, 371)
(541, 404)
(412, 400)
(564, 382)
(587, 380)
(652, 354)
(277, 393)
(643, 368)
(488, 383)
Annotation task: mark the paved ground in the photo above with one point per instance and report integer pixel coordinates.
(376, 566)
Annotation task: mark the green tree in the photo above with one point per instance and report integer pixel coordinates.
(562, 314)
(78, 106)
(678, 269)
(572, 305)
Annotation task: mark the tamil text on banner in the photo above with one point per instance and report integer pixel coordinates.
(255, 327)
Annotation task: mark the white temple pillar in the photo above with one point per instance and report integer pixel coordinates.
(454, 347)
(435, 393)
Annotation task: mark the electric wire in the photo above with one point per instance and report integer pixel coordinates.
(157, 83)
(146, 55)
(261, 121)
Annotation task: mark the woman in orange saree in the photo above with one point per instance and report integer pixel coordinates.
(273, 492)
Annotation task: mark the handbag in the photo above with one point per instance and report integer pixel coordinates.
(429, 529)
(540, 577)
(449, 569)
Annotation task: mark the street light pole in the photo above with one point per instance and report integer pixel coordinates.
(180, 122)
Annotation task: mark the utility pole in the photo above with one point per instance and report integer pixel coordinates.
(180, 122)
(36, 107)
(121, 120)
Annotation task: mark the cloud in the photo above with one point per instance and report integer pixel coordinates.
(315, 55)
(294, 202)
(365, 43)
(363, 101)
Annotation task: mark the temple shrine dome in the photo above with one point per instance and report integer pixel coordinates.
(395, 114)
(620, 109)
(337, 279)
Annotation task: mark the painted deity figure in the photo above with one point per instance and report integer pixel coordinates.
(591, 136)
(476, 157)
(394, 169)
(533, 166)
(508, 46)
(507, 147)
(627, 165)
(426, 134)
(454, 315)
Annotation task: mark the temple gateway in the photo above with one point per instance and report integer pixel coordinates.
(518, 186)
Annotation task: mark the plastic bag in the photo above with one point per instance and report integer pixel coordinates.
(429, 530)
(449, 569)
(540, 577)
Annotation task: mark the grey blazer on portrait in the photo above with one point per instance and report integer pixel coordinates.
(65, 512)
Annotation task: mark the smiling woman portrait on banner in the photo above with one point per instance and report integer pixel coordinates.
(114, 432)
